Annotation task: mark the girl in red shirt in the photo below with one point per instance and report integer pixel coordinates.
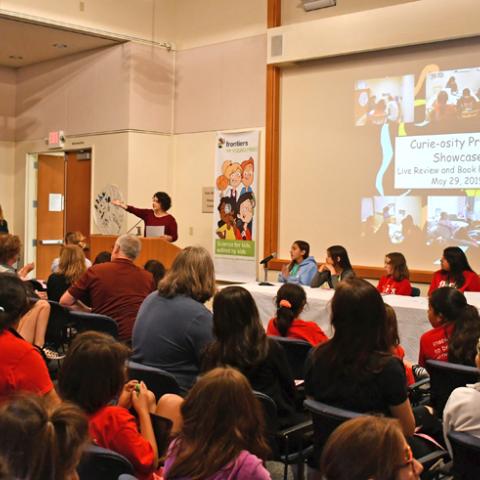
(456, 272)
(92, 376)
(291, 301)
(396, 281)
(456, 329)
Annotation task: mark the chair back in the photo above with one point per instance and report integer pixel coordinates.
(466, 455)
(297, 353)
(99, 463)
(157, 380)
(446, 377)
(270, 416)
(93, 321)
(326, 419)
(58, 322)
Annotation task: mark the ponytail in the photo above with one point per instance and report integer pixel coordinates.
(290, 301)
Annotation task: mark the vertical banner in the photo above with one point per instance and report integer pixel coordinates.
(235, 198)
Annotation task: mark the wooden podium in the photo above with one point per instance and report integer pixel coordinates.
(152, 249)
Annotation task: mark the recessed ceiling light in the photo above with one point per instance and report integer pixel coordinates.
(60, 45)
(15, 57)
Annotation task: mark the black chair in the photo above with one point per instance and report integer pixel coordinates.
(291, 445)
(157, 380)
(102, 464)
(415, 292)
(59, 323)
(326, 419)
(446, 377)
(466, 455)
(93, 321)
(297, 353)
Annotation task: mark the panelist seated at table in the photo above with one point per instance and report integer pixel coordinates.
(156, 216)
(396, 281)
(302, 268)
(290, 301)
(456, 272)
(337, 267)
(456, 329)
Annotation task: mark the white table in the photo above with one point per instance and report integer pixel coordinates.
(411, 312)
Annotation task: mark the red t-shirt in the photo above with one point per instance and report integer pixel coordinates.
(389, 286)
(434, 344)
(147, 215)
(115, 428)
(440, 279)
(22, 368)
(116, 289)
(300, 329)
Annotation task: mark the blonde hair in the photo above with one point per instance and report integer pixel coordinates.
(192, 274)
(72, 263)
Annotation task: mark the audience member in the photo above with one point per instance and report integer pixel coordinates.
(394, 342)
(355, 369)
(456, 328)
(156, 268)
(455, 272)
(173, 324)
(462, 411)
(3, 223)
(302, 268)
(111, 426)
(241, 342)
(73, 238)
(22, 368)
(369, 448)
(396, 281)
(337, 267)
(70, 268)
(290, 301)
(116, 288)
(40, 443)
(223, 432)
(33, 324)
(102, 257)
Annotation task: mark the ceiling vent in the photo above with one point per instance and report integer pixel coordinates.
(310, 5)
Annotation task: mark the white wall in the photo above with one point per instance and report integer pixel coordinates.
(7, 170)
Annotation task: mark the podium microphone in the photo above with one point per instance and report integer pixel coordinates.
(264, 262)
(135, 226)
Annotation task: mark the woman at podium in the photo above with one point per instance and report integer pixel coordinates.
(157, 216)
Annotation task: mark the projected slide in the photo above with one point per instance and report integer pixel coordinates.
(427, 182)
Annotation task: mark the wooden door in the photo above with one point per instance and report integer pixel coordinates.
(77, 195)
(50, 211)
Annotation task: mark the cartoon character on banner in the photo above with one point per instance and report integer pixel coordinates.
(247, 175)
(226, 226)
(244, 214)
(230, 180)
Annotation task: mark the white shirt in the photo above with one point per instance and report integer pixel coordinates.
(462, 412)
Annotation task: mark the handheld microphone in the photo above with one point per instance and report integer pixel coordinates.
(267, 259)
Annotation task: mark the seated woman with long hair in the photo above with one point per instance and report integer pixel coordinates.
(396, 281)
(355, 369)
(241, 342)
(337, 267)
(456, 329)
(290, 301)
(369, 448)
(456, 272)
(302, 266)
(223, 432)
(70, 268)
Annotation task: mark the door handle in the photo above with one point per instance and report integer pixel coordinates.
(51, 242)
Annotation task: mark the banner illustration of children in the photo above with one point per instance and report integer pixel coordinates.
(235, 198)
